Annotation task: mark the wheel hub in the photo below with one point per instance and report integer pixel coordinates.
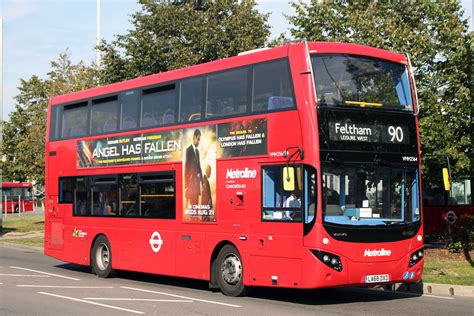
(103, 256)
(231, 269)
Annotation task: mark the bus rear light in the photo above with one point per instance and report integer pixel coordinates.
(328, 259)
(416, 257)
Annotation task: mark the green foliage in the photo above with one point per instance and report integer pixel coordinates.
(24, 134)
(165, 35)
(435, 36)
(173, 34)
(455, 246)
(463, 237)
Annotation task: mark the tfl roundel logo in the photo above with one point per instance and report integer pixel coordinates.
(156, 242)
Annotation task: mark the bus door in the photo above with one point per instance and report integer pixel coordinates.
(277, 258)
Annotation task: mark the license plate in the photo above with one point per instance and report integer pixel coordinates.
(377, 278)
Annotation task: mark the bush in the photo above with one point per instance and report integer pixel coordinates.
(463, 240)
(455, 246)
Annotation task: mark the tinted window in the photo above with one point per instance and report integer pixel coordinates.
(191, 99)
(130, 110)
(227, 93)
(104, 196)
(54, 132)
(158, 196)
(81, 196)
(66, 190)
(104, 114)
(272, 89)
(158, 106)
(129, 195)
(75, 122)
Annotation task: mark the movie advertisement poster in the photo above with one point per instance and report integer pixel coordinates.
(199, 174)
(242, 138)
(130, 149)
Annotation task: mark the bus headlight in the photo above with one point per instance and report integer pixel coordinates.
(415, 257)
(328, 259)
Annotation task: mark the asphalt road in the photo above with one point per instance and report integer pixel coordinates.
(33, 284)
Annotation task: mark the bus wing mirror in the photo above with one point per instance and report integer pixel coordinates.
(288, 178)
(446, 180)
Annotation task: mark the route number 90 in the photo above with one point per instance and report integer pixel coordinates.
(396, 133)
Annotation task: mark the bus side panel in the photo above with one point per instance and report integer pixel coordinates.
(144, 250)
(275, 271)
(190, 257)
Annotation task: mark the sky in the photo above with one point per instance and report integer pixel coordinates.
(35, 32)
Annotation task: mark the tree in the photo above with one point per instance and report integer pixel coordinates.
(435, 36)
(24, 134)
(173, 34)
(471, 52)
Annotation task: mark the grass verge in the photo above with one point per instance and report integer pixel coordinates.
(23, 224)
(28, 241)
(447, 268)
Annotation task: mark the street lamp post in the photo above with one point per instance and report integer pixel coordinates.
(98, 34)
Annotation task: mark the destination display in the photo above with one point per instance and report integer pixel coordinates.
(377, 133)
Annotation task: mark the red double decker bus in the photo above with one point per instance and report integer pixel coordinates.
(293, 167)
(17, 197)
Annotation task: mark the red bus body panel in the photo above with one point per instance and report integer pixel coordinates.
(436, 219)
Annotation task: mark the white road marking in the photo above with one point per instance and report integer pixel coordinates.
(92, 303)
(134, 299)
(436, 296)
(25, 275)
(179, 296)
(47, 273)
(66, 286)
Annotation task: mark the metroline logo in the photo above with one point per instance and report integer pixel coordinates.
(241, 174)
(377, 253)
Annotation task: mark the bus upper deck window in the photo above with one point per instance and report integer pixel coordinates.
(272, 87)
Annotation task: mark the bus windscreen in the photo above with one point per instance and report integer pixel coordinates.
(361, 82)
(368, 195)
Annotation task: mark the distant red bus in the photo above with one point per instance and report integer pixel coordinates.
(445, 207)
(17, 197)
(296, 167)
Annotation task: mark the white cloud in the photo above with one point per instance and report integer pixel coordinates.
(13, 9)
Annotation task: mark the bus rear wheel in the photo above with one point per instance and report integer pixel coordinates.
(101, 257)
(230, 272)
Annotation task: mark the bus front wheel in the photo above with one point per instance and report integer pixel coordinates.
(230, 272)
(101, 257)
